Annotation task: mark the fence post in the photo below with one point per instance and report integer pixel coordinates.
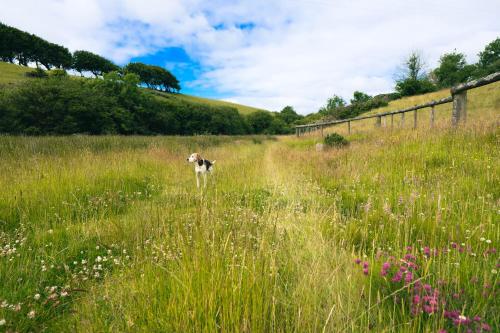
(349, 127)
(392, 121)
(459, 107)
(415, 119)
(403, 119)
(321, 126)
(385, 122)
(378, 122)
(432, 116)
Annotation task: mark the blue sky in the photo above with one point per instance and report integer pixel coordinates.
(266, 53)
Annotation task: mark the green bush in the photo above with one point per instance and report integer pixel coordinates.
(57, 73)
(37, 73)
(335, 140)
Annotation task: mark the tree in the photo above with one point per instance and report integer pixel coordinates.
(413, 79)
(332, 105)
(452, 70)
(288, 115)
(489, 59)
(154, 77)
(259, 121)
(360, 97)
(85, 61)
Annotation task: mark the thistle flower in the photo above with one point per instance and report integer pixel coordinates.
(357, 261)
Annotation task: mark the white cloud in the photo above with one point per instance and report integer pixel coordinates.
(299, 52)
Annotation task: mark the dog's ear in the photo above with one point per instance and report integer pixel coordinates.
(198, 156)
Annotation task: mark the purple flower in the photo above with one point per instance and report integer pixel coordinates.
(408, 277)
(416, 299)
(485, 327)
(365, 264)
(427, 251)
(357, 261)
(365, 271)
(397, 277)
(427, 287)
(386, 266)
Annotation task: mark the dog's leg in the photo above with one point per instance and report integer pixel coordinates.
(204, 180)
(197, 180)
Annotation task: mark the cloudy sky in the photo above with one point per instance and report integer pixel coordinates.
(266, 53)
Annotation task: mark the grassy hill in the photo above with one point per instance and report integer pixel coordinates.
(116, 237)
(13, 74)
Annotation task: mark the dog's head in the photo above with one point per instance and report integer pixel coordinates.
(194, 157)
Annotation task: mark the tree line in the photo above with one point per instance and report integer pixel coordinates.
(115, 104)
(414, 79)
(17, 46)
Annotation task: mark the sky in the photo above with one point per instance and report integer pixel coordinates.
(266, 53)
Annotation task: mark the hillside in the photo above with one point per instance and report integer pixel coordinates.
(483, 105)
(14, 74)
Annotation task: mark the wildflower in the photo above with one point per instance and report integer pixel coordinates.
(99, 259)
(31, 314)
(488, 241)
(442, 331)
(365, 264)
(2, 322)
(365, 271)
(64, 293)
(357, 261)
(386, 266)
(36, 297)
(485, 327)
(494, 271)
(482, 239)
(397, 277)
(427, 287)
(416, 299)
(408, 277)
(427, 251)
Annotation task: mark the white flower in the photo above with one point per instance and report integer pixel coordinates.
(2, 322)
(488, 241)
(64, 293)
(99, 259)
(494, 271)
(462, 318)
(97, 247)
(31, 314)
(482, 239)
(37, 296)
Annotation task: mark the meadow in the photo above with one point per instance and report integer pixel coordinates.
(398, 232)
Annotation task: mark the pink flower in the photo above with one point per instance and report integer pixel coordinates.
(386, 266)
(427, 251)
(442, 331)
(397, 277)
(365, 264)
(365, 271)
(485, 327)
(427, 287)
(357, 261)
(416, 299)
(408, 277)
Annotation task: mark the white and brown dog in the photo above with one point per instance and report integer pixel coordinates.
(201, 166)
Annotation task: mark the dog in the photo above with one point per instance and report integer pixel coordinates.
(202, 167)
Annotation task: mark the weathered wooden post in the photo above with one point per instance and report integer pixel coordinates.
(321, 126)
(459, 107)
(349, 127)
(296, 131)
(433, 111)
(378, 123)
(402, 119)
(392, 121)
(385, 122)
(415, 119)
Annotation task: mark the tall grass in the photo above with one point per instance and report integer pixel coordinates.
(111, 234)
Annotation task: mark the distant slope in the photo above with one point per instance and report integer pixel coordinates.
(12, 74)
(243, 109)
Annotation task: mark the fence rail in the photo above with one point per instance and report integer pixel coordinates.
(459, 112)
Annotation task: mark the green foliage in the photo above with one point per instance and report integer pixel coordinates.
(332, 104)
(489, 59)
(154, 77)
(25, 48)
(335, 140)
(452, 70)
(413, 79)
(259, 122)
(36, 73)
(85, 61)
(360, 103)
(360, 97)
(410, 87)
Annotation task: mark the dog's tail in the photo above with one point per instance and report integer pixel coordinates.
(213, 162)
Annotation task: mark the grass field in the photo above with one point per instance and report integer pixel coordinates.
(396, 233)
(11, 74)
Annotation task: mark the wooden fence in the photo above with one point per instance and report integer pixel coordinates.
(459, 111)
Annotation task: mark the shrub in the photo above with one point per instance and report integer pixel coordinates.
(335, 140)
(57, 73)
(38, 73)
